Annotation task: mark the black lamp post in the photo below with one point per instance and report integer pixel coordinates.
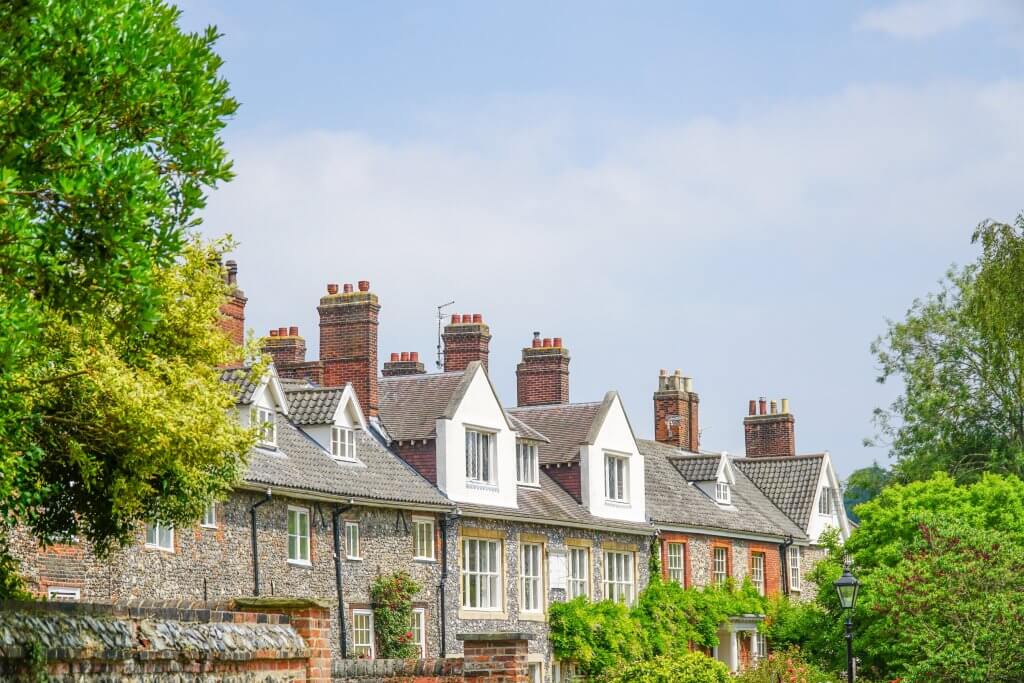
(847, 586)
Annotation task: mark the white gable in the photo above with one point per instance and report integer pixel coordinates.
(612, 435)
(818, 522)
(269, 394)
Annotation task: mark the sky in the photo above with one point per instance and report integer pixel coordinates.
(743, 191)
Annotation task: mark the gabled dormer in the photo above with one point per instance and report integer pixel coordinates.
(712, 475)
(331, 416)
(259, 401)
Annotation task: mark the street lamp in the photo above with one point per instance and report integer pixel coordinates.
(847, 586)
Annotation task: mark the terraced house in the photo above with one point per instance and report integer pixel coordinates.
(496, 511)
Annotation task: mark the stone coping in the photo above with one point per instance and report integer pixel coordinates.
(499, 636)
(169, 610)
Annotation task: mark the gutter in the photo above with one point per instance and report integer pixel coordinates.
(338, 585)
(707, 531)
(442, 607)
(255, 543)
(305, 494)
(783, 560)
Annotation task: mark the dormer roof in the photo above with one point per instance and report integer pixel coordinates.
(321, 406)
(566, 425)
(247, 386)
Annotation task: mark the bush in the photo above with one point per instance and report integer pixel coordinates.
(788, 666)
(691, 667)
(598, 636)
(392, 615)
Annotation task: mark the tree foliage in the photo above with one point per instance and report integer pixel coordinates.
(960, 356)
(687, 667)
(111, 411)
(863, 485)
(392, 596)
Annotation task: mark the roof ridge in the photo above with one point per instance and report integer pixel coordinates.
(780, 458)
(556, 405)
(420, 375)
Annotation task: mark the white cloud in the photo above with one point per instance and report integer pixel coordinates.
(650, 230)
(926, 18)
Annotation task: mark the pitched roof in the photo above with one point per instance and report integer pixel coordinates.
(790, 481)
(697, 467)
(566, 425)
(524, 430)
(301, 463)
(672, 500)
(551, 503)
(409, 405)
(243, 381)
(311, 406)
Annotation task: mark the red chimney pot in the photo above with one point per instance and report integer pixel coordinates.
(282, 332)
(414, 356)
(536, 342)
(348, 288)
(752, 409)
(293, 331)
(547, 342)
(273, 333)
(478, 318)
(467, 317)
(404, 356)
(762, 406)
(394, 357)
(557, 342)
(364, 285)
(332, 289)
(456, 318)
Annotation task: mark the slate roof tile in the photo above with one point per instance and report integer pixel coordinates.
(243, 382)
(409, 405)
(790, 481)
(313, 406)
(566, 425)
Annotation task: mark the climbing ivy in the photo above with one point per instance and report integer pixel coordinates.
(392, 615)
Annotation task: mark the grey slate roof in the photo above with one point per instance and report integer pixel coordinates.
(671, 500)
(790, 481)
(566, 425)
(409, 405)
(551, 503)
(301, 463)
(242, 380)
(697, 467)
(313, 406)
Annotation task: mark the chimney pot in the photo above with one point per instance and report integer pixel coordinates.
(404, 356)
(414, 356)
(662, 373)
(785, 406)
(688, 384)
(293, 331)
(557, 342)
(467, 317)
(678, 372)
(332, 288)
(536, 340)
(364, 285)
(232, 268)
(347, 289)
(273, 333)
(456, 319)
(394, 357)
(282, 332)
(774, 408)
(478, 318)
(543, 378)
(547, 342)
(762, 406)
(752, 408)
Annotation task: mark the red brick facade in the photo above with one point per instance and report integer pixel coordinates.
(670, 537)
(285, 346)
(348, 341)
(542, 378)
(567, 475)
(772, 566)
(769, 434)
(676, 417)
(466, 339)
(422, 456)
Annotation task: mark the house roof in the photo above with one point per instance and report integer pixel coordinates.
(566, 425)
(311, 406)
(410, 405)
(551, 503)
(244, 382)
(697, 467)
(524, 430)
(790, 481)
(301, 463)
(673, 500)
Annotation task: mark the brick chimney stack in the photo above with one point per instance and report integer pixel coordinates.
(466, 339)
(233, 310)
(543, 376)
(769, 433)
(404, 363)
(348, 341)
(676, 411)
(285, 346)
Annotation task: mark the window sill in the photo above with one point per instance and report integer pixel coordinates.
(426, 560)
(353, 559)
(617, 503)
(158, 549)
(481, 485)
(533, 616)
(301, 563)
(527, 485)
(208, 526)
(482, 614)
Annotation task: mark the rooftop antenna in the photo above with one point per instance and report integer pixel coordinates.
(440, 322)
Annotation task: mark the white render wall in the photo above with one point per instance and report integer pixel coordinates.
(479, 409)
(818, 522)
(615, 436)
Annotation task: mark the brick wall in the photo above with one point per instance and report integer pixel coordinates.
(466, 339)
(772, 565)
(766, 434)
(421, 455)
(568, 477)
(285, 346)
(348, 341)
(676, 412)
(542, 378)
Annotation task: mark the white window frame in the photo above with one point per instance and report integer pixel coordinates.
(423, 539)
(676, 565)
(163, 536)
(419, 624)
(527, 463)
(825, 502)
(578, 574)
(616, 477)
(343, 443)
(531, 573)
(620, 576)
(265, 421)
(723, 493)
(563, 672)
(762, 645)
(370, 647)
(794, 568)
(297, 557)
(719, 553)
(209, 520)
(352, 538)
(534, 672)
(486, 578)
(480, 462)
(63, 594)
(757, 560)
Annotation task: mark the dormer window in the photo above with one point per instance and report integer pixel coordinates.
(526, 463)
(343, 443)
(723, 494)
(480, 457)
(616, 477)
(266, 426)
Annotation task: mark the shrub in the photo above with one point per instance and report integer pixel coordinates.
(598, 636)
(392, 615)
(786, 665)
(691, 667)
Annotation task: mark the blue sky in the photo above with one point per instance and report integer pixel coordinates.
(745, 191)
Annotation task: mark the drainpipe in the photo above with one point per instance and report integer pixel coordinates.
(442, 607)
(255, 544)
(784, 561)
(338, 587)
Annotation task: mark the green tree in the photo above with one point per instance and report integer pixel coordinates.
(960, 357)
(863, 485)
(110, 407)
(687, 667)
